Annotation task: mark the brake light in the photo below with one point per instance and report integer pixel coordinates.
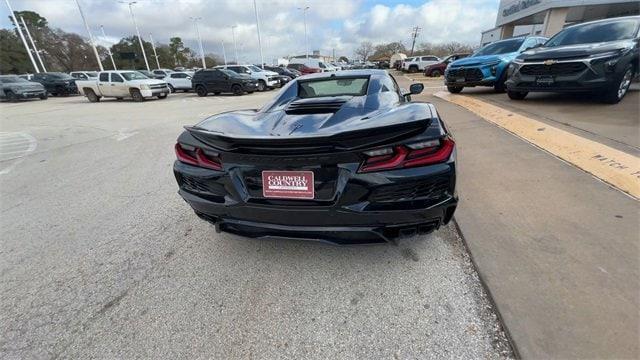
(197, 157)
(411, 155)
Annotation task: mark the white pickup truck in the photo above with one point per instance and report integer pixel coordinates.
(121, 84)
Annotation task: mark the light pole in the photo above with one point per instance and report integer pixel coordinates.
(104, 38)
(33, 44)
(255, 8)
(144, 55)
(195, 21)
(93, 43)
(224, 54)
(155, 54)
(306, 43)
(235, 47)
(24, 41)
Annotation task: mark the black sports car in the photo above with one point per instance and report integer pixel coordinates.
(343, 157)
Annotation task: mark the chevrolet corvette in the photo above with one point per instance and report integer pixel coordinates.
(344, 157)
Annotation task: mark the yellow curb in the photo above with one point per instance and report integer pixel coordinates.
(615, 167)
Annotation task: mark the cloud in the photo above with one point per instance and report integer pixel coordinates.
(331, 24)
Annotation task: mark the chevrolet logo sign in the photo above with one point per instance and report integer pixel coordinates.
(550, 62)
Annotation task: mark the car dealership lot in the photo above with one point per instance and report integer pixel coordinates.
(101, 258)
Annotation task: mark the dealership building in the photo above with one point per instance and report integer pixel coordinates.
(547, 17)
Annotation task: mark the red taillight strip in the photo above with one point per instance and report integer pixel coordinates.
(201, 158)
(401, 155)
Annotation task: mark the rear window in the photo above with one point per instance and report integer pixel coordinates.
(104, 76)
(355, 86)
(597, 32)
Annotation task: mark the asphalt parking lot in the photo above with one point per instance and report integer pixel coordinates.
(100, 258)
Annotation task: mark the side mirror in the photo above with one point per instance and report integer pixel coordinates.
(189, 77)
(416, 88)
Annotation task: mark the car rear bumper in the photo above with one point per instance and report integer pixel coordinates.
(363, 209)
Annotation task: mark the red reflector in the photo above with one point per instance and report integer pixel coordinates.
(199, 158)
(405, 158)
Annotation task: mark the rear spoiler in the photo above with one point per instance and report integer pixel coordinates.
(344, 141)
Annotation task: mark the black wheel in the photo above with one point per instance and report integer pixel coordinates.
(60, 91)
(455, 89)
(249, 92)
(413, 69)
(44, 96)
(162, 96)
(436, 73)
(499, 86)
(237, 90)
(91, 95)
(517, 95)
(171, 88)
(11, 96)
(619, 88)
(216, 93)
(137, 95)
(201, 90)
(262, 86)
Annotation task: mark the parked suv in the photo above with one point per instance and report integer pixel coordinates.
(438, 68)
(599, 56)
(488, 66)
(222, 80)
(266, 79)
(419, 63)
(56, 83)
(13, 88)
(179, 80)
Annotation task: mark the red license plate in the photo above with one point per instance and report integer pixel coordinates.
(288, 184)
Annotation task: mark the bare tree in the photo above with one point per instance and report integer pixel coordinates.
(364, 50)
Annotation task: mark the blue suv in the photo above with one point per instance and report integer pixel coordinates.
(488, 66)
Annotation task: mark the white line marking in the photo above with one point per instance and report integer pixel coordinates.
(124, 134)
(30, 143)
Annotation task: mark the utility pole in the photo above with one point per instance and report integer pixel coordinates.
(93, 43)
(306, 43)
(24, 42)
(195, 21)
(155, 54)
(135, 24)
(235, 47)
(255, 8)
(414, 34)
(224, 54)
(33, 44)
(104, 38)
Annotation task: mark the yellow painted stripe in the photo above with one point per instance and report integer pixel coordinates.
(615, 167)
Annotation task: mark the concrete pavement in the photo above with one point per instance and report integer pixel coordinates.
(557, 248)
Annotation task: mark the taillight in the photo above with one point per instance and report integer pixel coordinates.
(410, 155)
(195, 156)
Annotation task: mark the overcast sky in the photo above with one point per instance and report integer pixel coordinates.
(331, 24)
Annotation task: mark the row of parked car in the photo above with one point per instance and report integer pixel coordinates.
(600, 57)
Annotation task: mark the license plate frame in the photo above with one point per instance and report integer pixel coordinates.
(545, 80)
(288, 184)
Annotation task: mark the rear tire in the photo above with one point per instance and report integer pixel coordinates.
(616, 92)
(91, 95)
(44, 96)
(11, 96)
(237, 90)
(201, 91)
(517, 95)
(455, 89)
(436, 73)
(137, 95)
(171, 88)
(413, 69)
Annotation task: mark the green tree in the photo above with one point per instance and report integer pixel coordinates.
(178, 51)
(13, 56)
(386, 50)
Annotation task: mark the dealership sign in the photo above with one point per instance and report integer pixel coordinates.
(519, 6)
